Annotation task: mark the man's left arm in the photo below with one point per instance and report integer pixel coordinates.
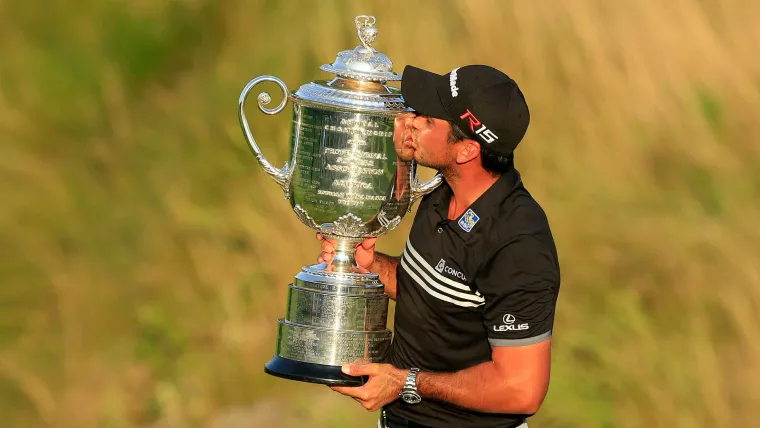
(514, 381)
(520, 284)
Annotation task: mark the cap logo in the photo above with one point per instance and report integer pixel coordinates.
(453, 82)
(483, 132)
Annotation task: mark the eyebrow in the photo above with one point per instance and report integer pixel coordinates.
(428, 119)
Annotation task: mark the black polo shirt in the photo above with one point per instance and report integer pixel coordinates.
(489, 278)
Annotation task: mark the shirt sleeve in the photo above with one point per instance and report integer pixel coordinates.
(520, 285)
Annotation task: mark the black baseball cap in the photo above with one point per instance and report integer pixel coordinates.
(485, 103)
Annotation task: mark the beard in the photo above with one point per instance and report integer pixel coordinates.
(429, 163)
(438, 161)
(444, 163)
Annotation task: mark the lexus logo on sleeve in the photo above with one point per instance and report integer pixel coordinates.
(509, 324)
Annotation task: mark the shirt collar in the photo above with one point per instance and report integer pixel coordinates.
(483, 207)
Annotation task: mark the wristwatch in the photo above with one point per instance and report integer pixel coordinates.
(409, 392)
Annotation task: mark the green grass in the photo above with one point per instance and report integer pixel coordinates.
(144, 255)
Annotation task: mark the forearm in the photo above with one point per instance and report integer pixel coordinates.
(482, 387)
(385, 267)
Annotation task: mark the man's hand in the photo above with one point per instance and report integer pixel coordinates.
(364, 255)
(402, 136)
(328, 252)
(384, 384)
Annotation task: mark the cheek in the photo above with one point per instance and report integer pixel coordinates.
(428, 139)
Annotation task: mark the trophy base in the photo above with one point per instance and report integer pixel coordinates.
(310, 372)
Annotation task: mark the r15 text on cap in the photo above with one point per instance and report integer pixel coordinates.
(483, 132)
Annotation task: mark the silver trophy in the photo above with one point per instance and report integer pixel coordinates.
(345, 181)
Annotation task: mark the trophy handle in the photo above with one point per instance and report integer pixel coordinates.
(419, 190)
(281, 176)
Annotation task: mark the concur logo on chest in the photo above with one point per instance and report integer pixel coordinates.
(441, 267)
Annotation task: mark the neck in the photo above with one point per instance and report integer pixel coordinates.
(467, 184)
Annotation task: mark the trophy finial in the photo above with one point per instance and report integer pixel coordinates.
(363, 62)
(365, 27)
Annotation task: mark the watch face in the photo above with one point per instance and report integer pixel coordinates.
(411, 397)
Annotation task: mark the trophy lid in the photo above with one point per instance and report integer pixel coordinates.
(363, 62)
(360, 79)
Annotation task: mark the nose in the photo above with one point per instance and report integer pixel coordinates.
(418, 121)
(408, 119)
(404, 121)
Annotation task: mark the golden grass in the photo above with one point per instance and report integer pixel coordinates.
(145, 255)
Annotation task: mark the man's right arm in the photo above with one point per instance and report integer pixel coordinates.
(385, 267)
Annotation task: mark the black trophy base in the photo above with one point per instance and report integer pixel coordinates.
(310, 372)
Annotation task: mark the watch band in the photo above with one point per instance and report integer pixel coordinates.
(409, 393)
(411, 379)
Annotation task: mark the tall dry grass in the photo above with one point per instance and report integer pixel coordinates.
(145, 255)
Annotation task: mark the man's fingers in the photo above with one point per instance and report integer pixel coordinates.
(328, 251)
(368, 243)
(360, 369)
(321, 237)
(351, 391)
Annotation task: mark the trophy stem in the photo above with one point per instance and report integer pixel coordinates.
(345, 249)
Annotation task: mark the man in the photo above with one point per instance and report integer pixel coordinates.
(477, 283)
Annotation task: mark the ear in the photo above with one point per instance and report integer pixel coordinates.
(470, 151)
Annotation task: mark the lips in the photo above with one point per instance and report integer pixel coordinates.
(409, 143)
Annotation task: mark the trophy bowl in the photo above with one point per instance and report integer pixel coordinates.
(344, 180)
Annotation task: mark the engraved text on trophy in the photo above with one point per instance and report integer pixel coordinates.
(345, 163)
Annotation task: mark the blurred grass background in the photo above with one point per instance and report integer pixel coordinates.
(144, 255)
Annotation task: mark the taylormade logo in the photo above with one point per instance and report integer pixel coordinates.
(441, 267)
(453, 82)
